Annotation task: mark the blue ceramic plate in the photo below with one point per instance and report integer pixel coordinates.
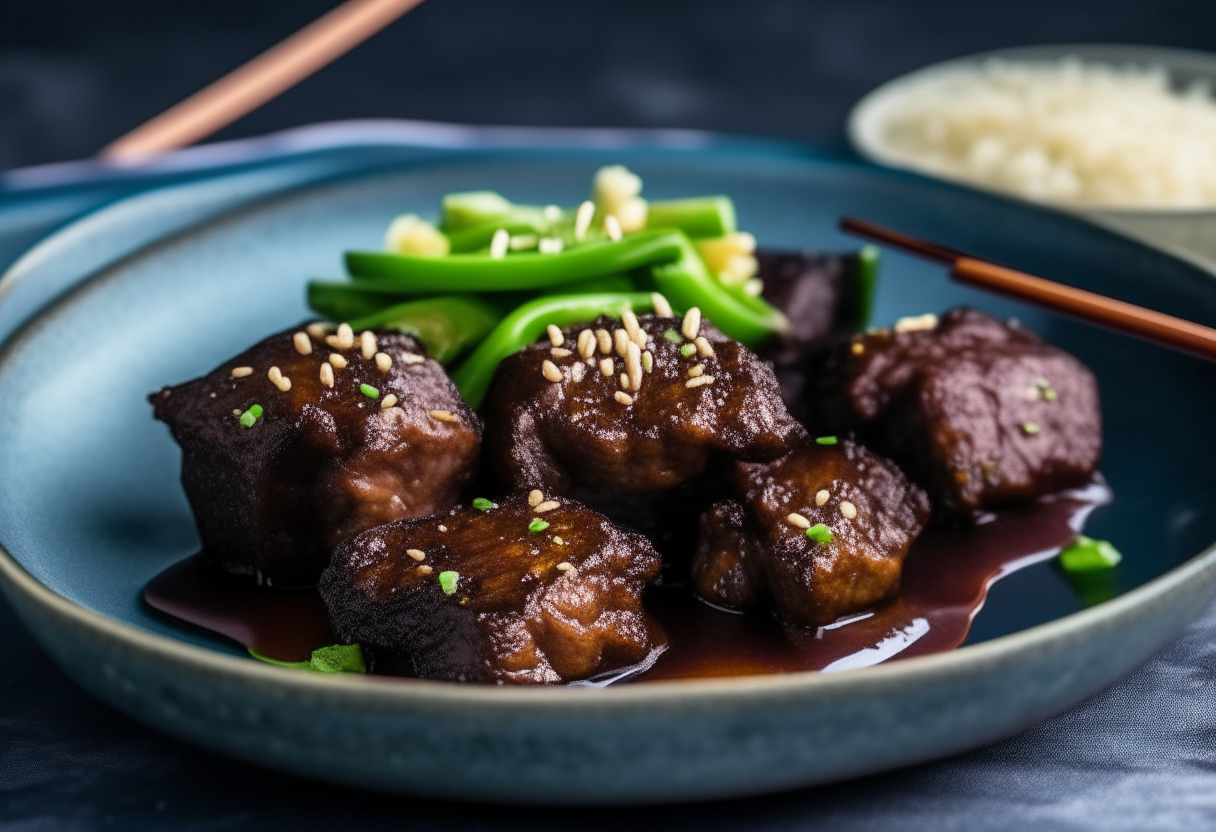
(162, 287)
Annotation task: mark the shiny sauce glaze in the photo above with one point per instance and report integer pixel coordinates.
(945, 581)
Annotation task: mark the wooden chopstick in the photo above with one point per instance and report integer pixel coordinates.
(266, 76)
(1091, 307)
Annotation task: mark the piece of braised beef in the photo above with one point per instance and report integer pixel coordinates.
(620, 423)
(981, 413)
(821, 295)
(279, 471)
(816, 535)
(497, 595)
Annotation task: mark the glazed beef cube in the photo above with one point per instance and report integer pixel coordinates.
(862, 515)
(304, 440)
(820, 294)
(489, 596)
(636, 412)
(981, 413)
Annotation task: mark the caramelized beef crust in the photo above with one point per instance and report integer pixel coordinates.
(321, 463)
(526, 607)
(981, 413)
(755, 554)
(581, 436)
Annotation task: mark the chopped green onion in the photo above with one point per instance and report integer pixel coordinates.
(447, 582)
(688, 350)
(1085, 554)
(537, 525)
(1030, 428)
(825, 440)
(820, 533)
(673, 336)
(250, 416)
(336, 658)
(369, 391)
(482, 504)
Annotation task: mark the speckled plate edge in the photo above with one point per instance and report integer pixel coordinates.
(1070, 657)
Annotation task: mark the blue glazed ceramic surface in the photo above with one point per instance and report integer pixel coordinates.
(167, 285)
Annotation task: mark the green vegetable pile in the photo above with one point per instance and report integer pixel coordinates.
(492, 275)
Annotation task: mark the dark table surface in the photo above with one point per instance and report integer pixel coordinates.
(73, 75)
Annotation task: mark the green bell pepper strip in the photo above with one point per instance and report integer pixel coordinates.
(687, 283)
(447, 325)
(701, 216)
(477, 237)
(528, 323)
(344, 301)
(481, 273)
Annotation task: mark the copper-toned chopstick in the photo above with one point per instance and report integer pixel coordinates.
(1091, 307)
(252, 84)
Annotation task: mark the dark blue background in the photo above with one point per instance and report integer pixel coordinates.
(75, 75)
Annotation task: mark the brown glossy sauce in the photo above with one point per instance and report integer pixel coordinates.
(945, 581)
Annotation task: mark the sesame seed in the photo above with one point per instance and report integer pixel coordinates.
(612, 227)
(754, 287)
(344, 340)
(411, 358)
(367, 341)
(327, 375)
(416, 554)
(586, 343)
(703, 346)
(576, 372)
(692, 323)
(858, 348)
(241, 372)
(547, 505)
(388, 402)
(848, 509)
(564, 567)
(606, 366)
(633, 366)
(278, 379)
(552, 213)
(557, 539)
(549, 370)
(822, 496)
(442, 527)
(661, 307)
(212, 395)
(604, 340)
(620, 341)
(559, 352)
(443, 416)
(647, 361)
(535, 497)
(798, 520)
(699, 381)
(623, 398)
(236, 413)
(384, 361)
(519, 242)
(317, 330)
(624, 379)
(696, 370)
(337, 360)
(582, 219)
(302, 343)
(916, 323)
(636, 335)
(424, 569)
(555, 335)
(550, 245)
(499, 244)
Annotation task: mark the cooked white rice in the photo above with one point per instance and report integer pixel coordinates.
(1060, 131)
